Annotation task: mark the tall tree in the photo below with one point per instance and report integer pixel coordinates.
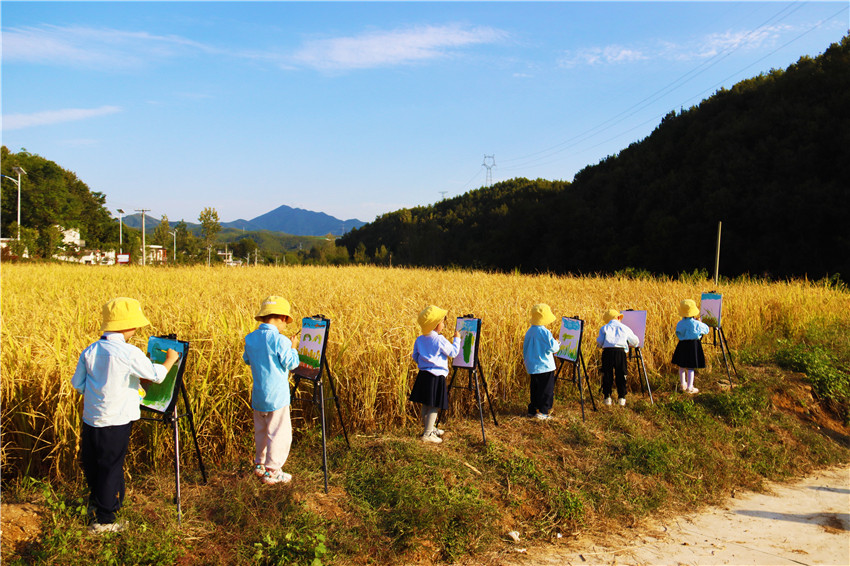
(210, 227)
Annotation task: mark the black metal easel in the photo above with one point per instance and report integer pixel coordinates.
(315, 377)
(578, 367)
(473, 382)
(724, 350)
(635, 354)
(172, 417)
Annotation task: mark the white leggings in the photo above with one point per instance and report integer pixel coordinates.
(686, 378)
(428, 417)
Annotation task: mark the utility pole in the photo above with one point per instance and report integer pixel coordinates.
(443, 195)
(144, 248)
(489, 180)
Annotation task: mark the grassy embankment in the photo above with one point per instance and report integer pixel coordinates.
(393, 499)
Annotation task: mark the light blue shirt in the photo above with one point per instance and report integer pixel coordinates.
(107, 376)
(691, 329)
(538, 348)
(432, 351)
(615, 334)
(270, 355)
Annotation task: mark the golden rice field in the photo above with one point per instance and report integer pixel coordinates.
(50, 313)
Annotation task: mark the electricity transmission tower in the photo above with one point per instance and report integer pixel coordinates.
(489, 181)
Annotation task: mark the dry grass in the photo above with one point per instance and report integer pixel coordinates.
(51, 312)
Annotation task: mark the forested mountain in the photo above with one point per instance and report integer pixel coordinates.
(770, 158)
(300, 222)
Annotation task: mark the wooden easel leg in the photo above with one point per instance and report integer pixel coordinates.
(645, 375)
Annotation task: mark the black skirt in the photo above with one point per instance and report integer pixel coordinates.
(689, 354)
(430, 390)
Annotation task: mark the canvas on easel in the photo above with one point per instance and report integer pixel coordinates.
(569, 340)
(636, 321)
(161, 399)
(469, 328)
(313, 366)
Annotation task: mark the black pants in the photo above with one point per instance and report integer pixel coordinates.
(614, 364)
(542, 392)
(102, 453)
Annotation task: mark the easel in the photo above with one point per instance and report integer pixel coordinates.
(473, 382)
(724, 350)
(578, 366)
(314, 375)
(170, 416)
(635, 353)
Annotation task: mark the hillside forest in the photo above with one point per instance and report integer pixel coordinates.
(769, 158)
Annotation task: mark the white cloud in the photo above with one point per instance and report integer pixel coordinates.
(385, 48)
(48, 117)
(701, 48)
(91, 47)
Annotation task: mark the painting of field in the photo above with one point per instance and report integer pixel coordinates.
(50, 313)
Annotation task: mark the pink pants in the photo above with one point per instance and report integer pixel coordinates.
(272, 437)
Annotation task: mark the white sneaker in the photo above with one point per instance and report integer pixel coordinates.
(607, 401)
(259, 470)
(431, 437)
(439, 432)
(693, 390)
(272, 477)
(684, 387)
(622, 401)
(543, 417)
(101, 528)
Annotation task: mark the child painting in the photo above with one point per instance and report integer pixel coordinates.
(271, 356)
(538, 349)
(615, 338)
(107, 375)
(688, 354)
(431, 352)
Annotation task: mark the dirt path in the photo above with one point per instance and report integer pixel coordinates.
(805, 522)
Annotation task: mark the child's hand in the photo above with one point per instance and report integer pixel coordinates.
(171, 356)
(457, 334)
(295, 340)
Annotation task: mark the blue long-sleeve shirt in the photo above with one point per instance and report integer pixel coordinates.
(431, 352)
(270, 355)
(538, 348)
(691, 329)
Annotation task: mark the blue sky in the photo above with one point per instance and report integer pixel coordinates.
(356, 109)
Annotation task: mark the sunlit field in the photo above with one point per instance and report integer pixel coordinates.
(50, 313)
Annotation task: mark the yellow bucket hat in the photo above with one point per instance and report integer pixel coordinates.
(274, 305)
(430, 317)
(610, 315)
(688, 308)
(541, 315)
(122, 314)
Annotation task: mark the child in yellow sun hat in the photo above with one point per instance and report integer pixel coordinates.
(615, 338)
(107, 375)
(271, 356)
(431, 352)
(688, 354)
(538, 349)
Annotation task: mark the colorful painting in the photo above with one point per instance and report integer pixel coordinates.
(569, 338)
(311, 346)
(636, 320)
(161, 397)
(709, 309)
(469, 328)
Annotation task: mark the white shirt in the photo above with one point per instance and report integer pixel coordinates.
(615, 334)
(107, 376)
